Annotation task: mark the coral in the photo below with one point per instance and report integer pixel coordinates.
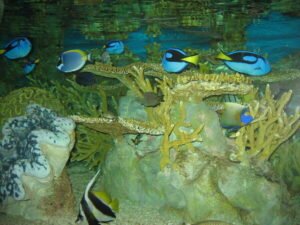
(117, 126)
(272, 126)
(15, 103)
(175, 157)
(91, 146)
(34, 151)
(175, 89)
(204, 85)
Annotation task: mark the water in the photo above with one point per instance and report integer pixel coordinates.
(148, 28)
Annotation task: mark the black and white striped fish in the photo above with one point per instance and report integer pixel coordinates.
(96, 207)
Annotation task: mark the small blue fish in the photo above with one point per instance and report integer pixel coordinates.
(72, 60)
(17, 48)
(234, 116)
(30, 66)
(176, 60)
(96, 207)
(114, 47)
(246, 62)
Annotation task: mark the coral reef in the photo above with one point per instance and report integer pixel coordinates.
(272, 126)
(34, 151)
(15, 103)
(175, 156)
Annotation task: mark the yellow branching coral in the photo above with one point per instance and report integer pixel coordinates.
(183, 137)
(271, 127)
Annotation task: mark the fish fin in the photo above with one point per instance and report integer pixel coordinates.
(90, 217)
(223, 56)
(115, 205)
(2, 51)
(103, 196)
(194, 59)
(101, 206)
(89, 57)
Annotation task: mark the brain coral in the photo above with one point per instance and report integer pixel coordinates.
(35, 145)
(15, 103)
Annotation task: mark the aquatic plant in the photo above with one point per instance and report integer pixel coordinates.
(91, 146)
(34, 150)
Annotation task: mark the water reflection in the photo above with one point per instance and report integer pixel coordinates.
(146, 27)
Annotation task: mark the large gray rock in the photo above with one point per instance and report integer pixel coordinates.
(200, 183)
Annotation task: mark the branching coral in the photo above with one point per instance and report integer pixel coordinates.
(272, 126)
(176, 89)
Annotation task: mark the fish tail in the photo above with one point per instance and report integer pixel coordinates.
(2, 51)
(223, 56)
(89, 57)
(92, 181)
(194, 59)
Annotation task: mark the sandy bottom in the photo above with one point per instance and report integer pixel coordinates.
(129, 214)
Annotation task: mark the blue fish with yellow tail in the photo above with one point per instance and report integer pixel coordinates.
(30, 66)
(96, 207)
(246, 62)
(234, 115)
(17, 48)
(175, 60)
(72, 60)
(114, 47)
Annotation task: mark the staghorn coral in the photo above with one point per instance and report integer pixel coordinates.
(272, 126)
(34, 151)
(175, 89)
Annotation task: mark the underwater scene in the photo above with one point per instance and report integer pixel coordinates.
(149, 112)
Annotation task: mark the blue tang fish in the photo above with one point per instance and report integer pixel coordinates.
(176, 60)
(17, 48)
(30, 66)
(246, 62)
(234, 116)
(96, 207)
(72, 60)
(114, 47)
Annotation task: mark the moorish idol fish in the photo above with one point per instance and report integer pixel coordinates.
(246, 62)
(72, 60)
(234, 115)
(29, 66)
(114, 47)
(17, 48)
(96, 207)
(176, 60)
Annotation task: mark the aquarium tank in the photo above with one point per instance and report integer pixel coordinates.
(149, 112)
